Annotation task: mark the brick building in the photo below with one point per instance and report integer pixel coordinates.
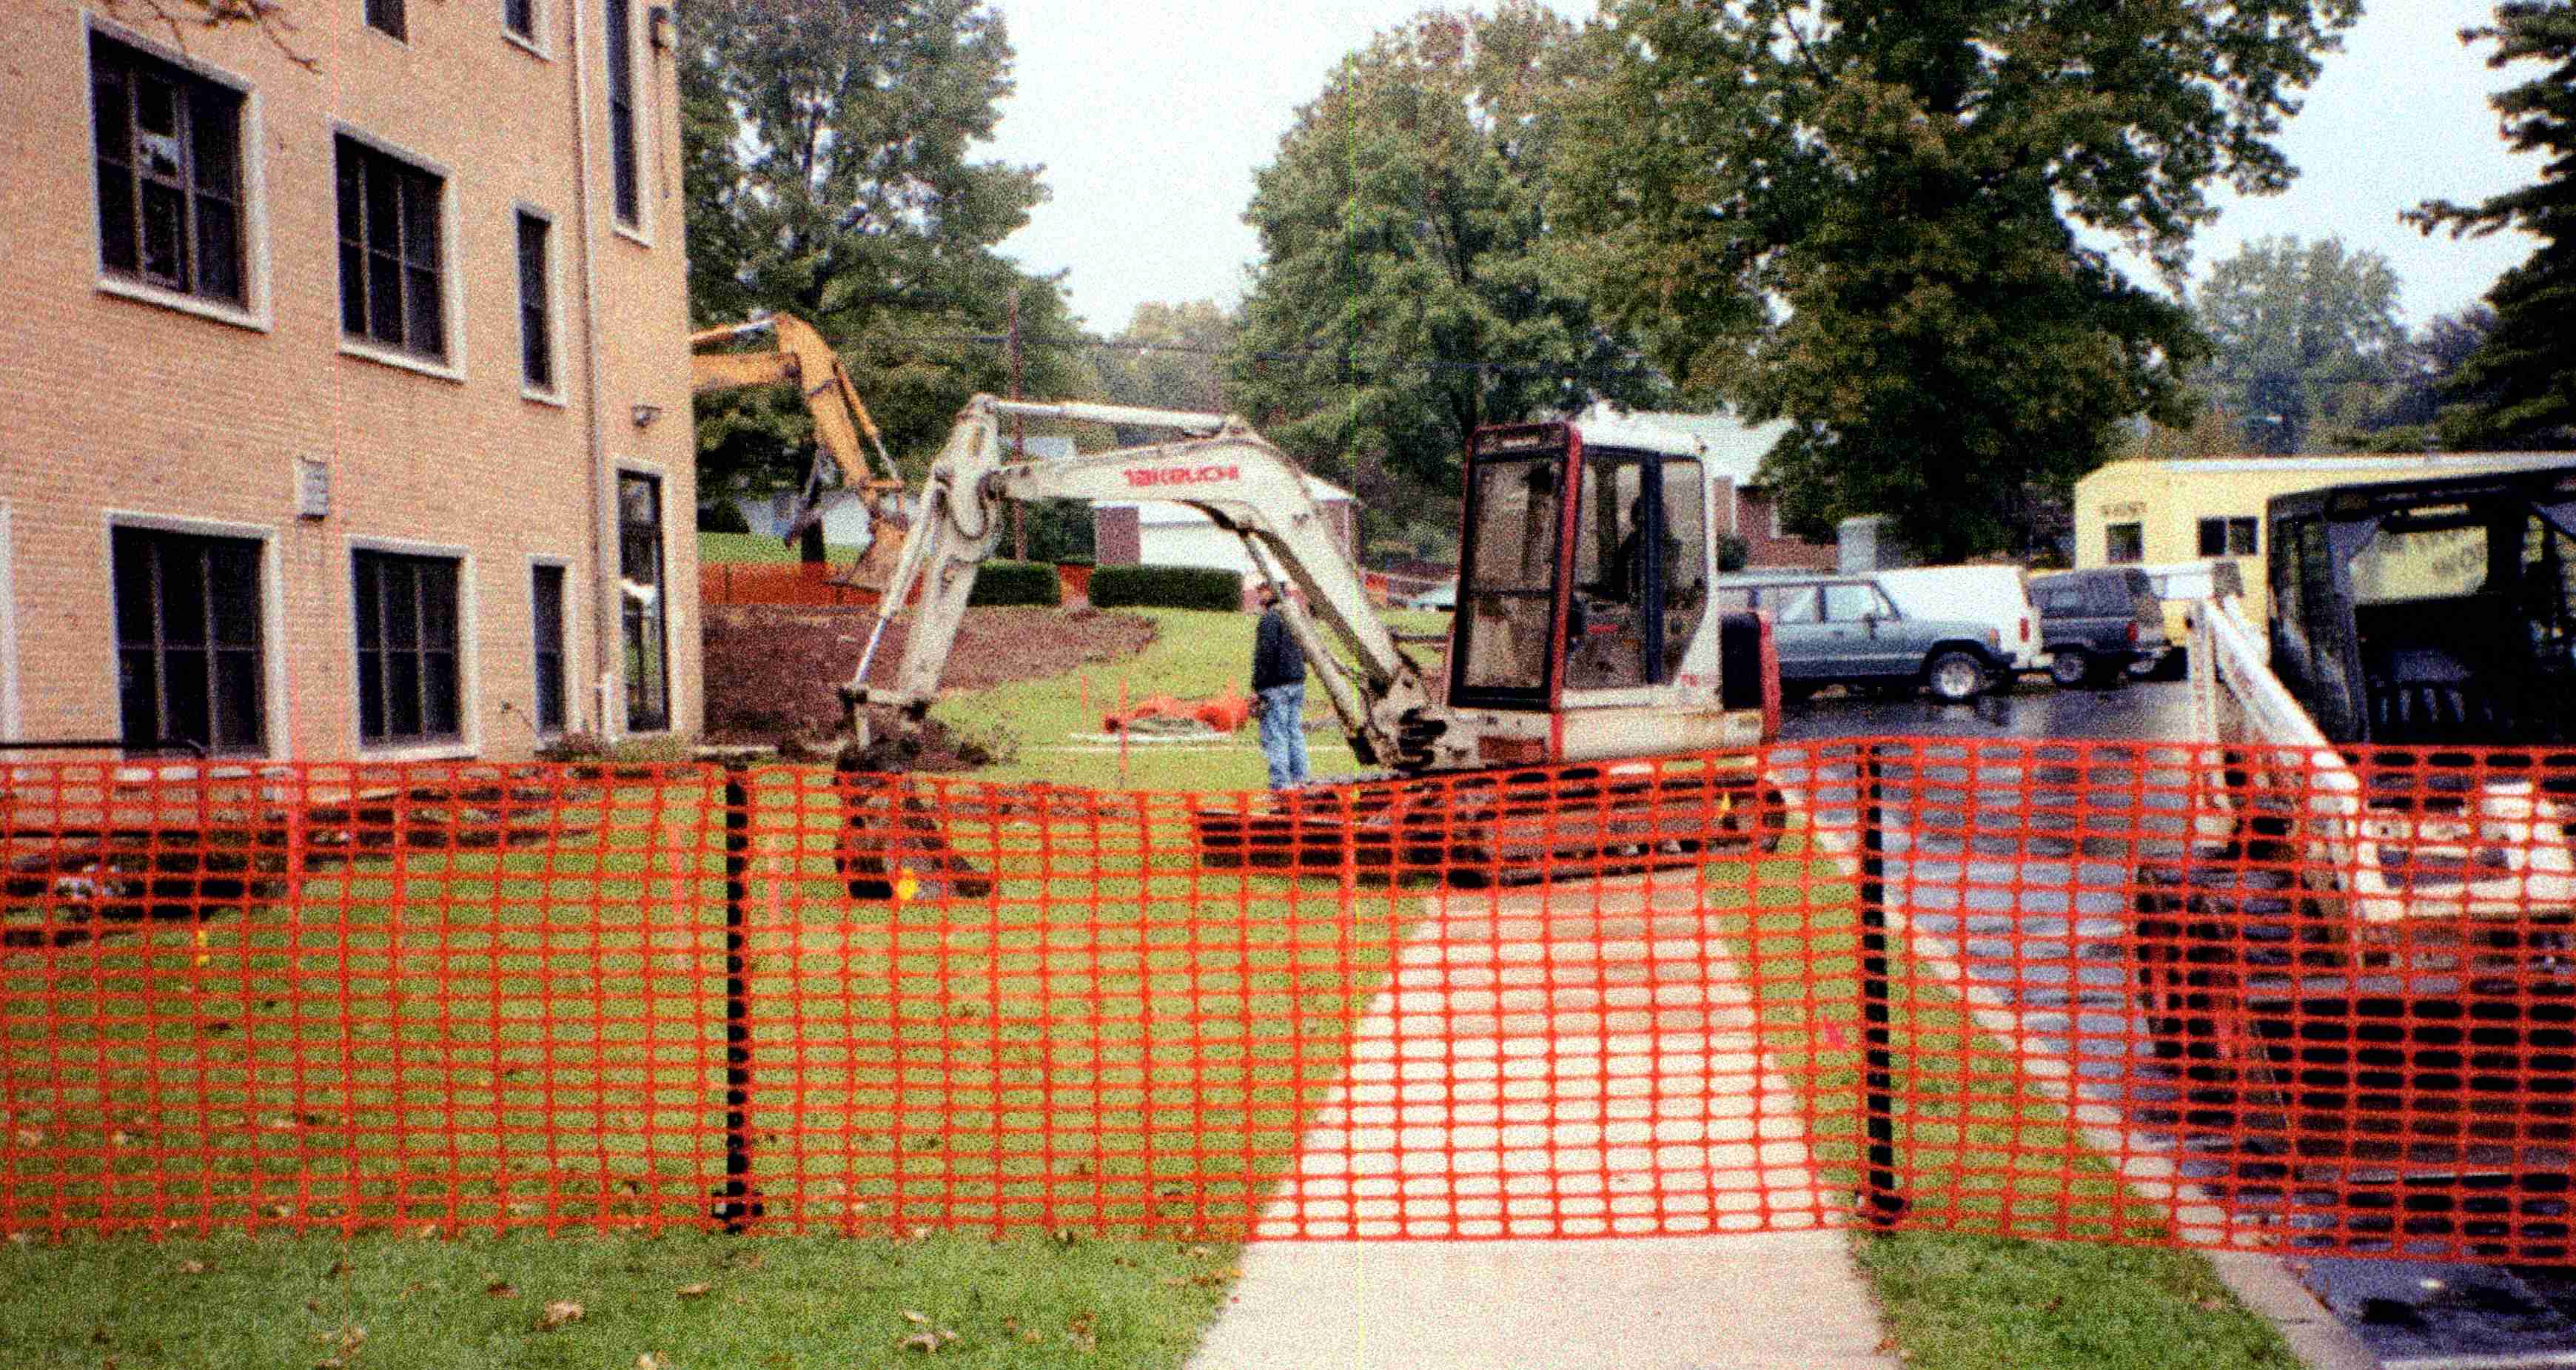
(349, 405)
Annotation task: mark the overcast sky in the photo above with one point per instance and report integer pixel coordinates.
(1150, 117)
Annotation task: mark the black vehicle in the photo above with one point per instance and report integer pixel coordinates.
(2433, 611)
(2094, 624)
(2424, 1058)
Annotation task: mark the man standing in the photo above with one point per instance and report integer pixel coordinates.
(1279, 693)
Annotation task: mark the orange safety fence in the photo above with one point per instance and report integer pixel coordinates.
(809, 584)
(2300, 1002)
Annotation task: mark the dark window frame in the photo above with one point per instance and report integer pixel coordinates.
(536, 301)
(388, 18)
(519, 19)
(194, 172)
(2111, 543)
(625, 158)
(2230, 536)
(644, 623)
(549, 681)
(156, 630)
(393, 295)
(402, 680)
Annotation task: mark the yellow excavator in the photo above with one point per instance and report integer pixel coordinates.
(797, 354)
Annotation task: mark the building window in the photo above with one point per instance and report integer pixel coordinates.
(408, 674)
(2227, 537)
(520, 17)
(392, 289)
(189, 660)
(546, 610)
(387, 16)
(2124, 542)
(168, 145)
(622, 164)
(536, 335)
(639, 568)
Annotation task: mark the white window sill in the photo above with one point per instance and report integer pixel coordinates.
(527, 45)
(421, 751)
(240, 769)
(386, 356)
(184, 303)
(634, 233)
(534, 395)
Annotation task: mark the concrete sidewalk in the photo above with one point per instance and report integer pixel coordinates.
(1578, 1061)
(1627, 1303)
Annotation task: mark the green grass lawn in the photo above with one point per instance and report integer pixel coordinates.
(1194, 653)
(736, 549)
(689, 1301)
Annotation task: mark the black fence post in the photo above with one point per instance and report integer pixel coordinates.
(736, 1202)
(1882, 1201)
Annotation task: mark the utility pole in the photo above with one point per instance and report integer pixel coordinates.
(1019, 436)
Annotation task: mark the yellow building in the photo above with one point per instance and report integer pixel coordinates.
(2154, 512)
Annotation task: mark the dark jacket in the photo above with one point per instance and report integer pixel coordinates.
(1275, 658)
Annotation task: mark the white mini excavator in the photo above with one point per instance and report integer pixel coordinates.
(1595, 700)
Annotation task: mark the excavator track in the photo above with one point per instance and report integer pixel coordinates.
(1501, 826)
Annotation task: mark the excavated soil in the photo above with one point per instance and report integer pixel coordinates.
(770, 669)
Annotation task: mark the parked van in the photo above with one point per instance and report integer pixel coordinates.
(1991, 595)
(1848, 630)
(2098, 624)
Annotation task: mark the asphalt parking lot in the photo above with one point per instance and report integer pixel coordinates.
(2414, 1315)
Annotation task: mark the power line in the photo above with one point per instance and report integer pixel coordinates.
(1637, 367)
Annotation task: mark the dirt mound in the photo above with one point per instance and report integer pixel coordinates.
(771, 669)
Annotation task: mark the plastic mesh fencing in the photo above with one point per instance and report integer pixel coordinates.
(2275, 1000)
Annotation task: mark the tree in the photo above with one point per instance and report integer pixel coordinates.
(1865, 218)
(826, 166)
(1405, 293)
(1170, 356)
(2411, 408)
(2302, 334)
(2518, 389)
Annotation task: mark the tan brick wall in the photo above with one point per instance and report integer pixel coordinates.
(129, 408)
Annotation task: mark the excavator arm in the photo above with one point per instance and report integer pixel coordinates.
(802, 358)
(1218, 466)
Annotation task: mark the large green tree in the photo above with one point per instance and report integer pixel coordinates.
(2301, 334)
(1888, 223)
(1405, 292)
(1170, 356)
(2519, 388)
(829, 172)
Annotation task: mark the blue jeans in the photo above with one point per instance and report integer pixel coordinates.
(1283, 733)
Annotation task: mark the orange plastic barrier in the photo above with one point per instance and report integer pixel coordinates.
(2129, 992)
(798, 583)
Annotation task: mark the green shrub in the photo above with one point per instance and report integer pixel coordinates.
(1017, 582)
(1166, 587)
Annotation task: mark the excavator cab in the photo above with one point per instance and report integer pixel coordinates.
(1585, 573)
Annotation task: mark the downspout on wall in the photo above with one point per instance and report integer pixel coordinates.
(605, 606)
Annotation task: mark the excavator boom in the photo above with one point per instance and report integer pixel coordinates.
(799, 356)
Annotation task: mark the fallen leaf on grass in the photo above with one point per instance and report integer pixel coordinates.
(338, 1268)
(192, 1266)
(692, 1291)
(558, 1313)
(916, 1319)
(646, 1360)
(501, 1289)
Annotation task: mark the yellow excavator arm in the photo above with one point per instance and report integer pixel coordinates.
(799, 356)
